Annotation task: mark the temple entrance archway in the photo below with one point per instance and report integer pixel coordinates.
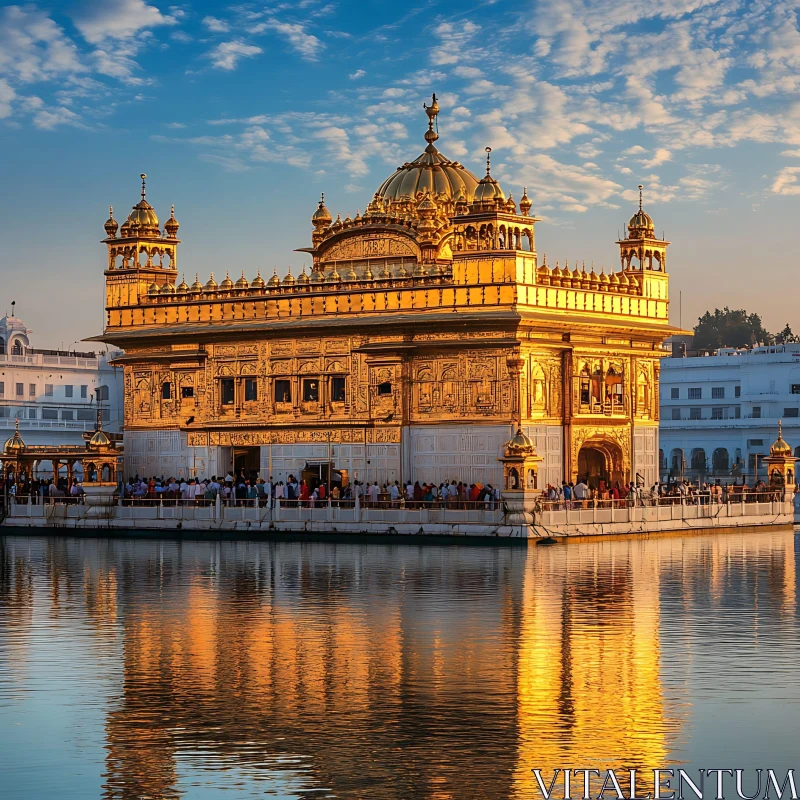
(601, 460)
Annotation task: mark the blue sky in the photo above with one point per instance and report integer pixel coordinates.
(241, 114)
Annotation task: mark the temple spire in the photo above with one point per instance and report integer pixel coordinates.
(432, 110)
(144, 190)
(640, 196)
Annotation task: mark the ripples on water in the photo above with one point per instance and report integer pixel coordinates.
(157, 669)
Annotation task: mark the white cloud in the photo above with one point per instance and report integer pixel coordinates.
(226, 55)
(228, 164)
(49, 118)
(359, 73)
(7, 96)
(34, 48)
(787, 181)
(216, 25)
(117, 19)
(305, 44)
(454, 39)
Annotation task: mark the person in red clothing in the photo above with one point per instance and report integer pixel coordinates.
(304, 494)
(323, 491)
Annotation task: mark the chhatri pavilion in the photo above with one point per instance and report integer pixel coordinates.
(426, 330)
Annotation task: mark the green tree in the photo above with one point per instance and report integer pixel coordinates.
(729, 328)
(786, 336)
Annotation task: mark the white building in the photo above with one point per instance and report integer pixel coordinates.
(719, 413)
(54, 393)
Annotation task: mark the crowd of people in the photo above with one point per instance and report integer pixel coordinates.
(242, 490)
(582, 495)
(45, 490)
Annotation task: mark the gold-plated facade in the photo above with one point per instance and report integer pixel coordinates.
(426, 332)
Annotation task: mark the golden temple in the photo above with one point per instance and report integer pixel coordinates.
(425, 329)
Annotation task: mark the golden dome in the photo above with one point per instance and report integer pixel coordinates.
(780, 447)
(350, 273)
(274, 280)
(488, 189)
(321, 218)
(519, 445)
(332, 276)
(15, 443)
(603, 278)
(167, 288)
(211, 286)
(183, 286)
(337, 226)
(317, 276)
(303, 277)
(227, 283)
(197, 286)
(111, 224)
(99, 439)
(142, 221)
(258, 282)
(153, 289)
(242, 283)
(641, 224)
(431, 172)
(171, 225)
(525, 202)
(289, 280)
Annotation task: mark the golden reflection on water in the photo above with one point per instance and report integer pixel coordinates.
(375, 671)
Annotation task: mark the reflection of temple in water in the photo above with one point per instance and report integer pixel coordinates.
(419, 672)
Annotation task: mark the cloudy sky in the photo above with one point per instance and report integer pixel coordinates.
(242, 114)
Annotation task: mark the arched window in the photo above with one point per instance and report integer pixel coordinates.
(720, 460)
(675, 461)
(699, 459)
(16, 348)
(2, 346)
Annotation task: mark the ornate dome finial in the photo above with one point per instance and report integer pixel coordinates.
(432, 110)
(488, 161)
(640, 197)
(144, 188)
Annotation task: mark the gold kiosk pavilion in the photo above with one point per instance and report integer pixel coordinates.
(426, 331)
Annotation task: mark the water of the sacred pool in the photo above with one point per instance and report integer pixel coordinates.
(165, 669)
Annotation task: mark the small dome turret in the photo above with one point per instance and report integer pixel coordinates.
(227, 283)
(182, 287)
(321, 218)
(197, 286)
(258, 282)
(14, 444)
(171, 225)
(111, 225)
(302, 278)
(153, 289)
(211, 286)
(519, 445)
(525, 203)
(488, 191)
(641, 224)
(289, 280)
(167, 288)
(242, 283)
(780, 447)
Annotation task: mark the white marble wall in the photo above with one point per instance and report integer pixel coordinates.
(549, 442)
